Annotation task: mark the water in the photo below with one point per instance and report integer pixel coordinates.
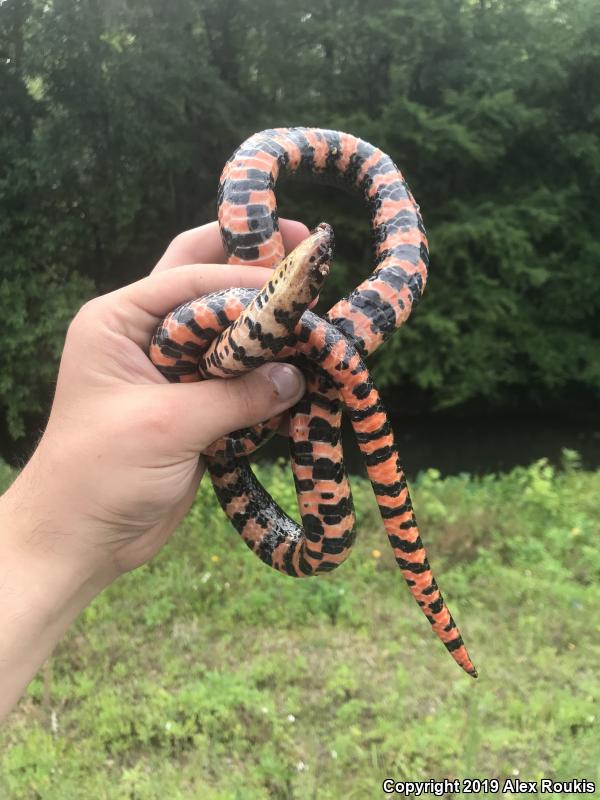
(478, 445)
(450, 443)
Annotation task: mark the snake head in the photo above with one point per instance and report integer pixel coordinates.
(298, 279)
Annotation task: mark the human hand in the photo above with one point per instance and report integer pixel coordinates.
(118, 465)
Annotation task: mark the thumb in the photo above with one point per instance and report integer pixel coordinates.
(208, 410)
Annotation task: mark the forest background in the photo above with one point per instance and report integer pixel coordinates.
(117, 117)
(204, 674)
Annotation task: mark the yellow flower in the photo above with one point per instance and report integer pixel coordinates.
(575, 531)
(376, 553)
(215, 559)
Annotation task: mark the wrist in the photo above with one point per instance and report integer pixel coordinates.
(39, 533)
(41, 593)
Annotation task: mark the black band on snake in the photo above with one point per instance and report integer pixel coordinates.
(229, 332)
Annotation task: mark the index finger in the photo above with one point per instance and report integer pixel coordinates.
(203, 245)
(135, 310)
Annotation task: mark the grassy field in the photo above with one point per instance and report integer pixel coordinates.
(207, 675)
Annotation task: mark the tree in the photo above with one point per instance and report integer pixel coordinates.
(116, 119)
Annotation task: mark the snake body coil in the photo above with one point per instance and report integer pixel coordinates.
(232, 331)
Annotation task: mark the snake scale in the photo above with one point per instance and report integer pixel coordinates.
(229, 332)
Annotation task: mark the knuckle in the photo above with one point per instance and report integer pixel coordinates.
(93, 307)
(87, 314)
(181, 238)
(181, 241)
(80, 322)
(241, 397)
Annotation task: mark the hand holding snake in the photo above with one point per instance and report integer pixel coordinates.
(117, 466)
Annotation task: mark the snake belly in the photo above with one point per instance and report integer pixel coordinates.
(230, 332)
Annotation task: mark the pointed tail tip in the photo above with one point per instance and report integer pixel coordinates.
(463, 660)
(468, 666)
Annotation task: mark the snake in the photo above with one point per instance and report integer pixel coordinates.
(227, 333)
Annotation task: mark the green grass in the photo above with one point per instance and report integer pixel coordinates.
(207, 675)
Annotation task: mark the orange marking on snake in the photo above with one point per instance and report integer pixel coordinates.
(275, 324)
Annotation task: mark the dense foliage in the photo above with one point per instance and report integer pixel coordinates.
(207, 675)
(116, 118)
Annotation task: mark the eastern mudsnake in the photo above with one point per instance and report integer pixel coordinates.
(232, 331)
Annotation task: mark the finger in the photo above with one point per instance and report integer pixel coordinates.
(136, 309)
(203, 412)
(203, 245)
(293, 233)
